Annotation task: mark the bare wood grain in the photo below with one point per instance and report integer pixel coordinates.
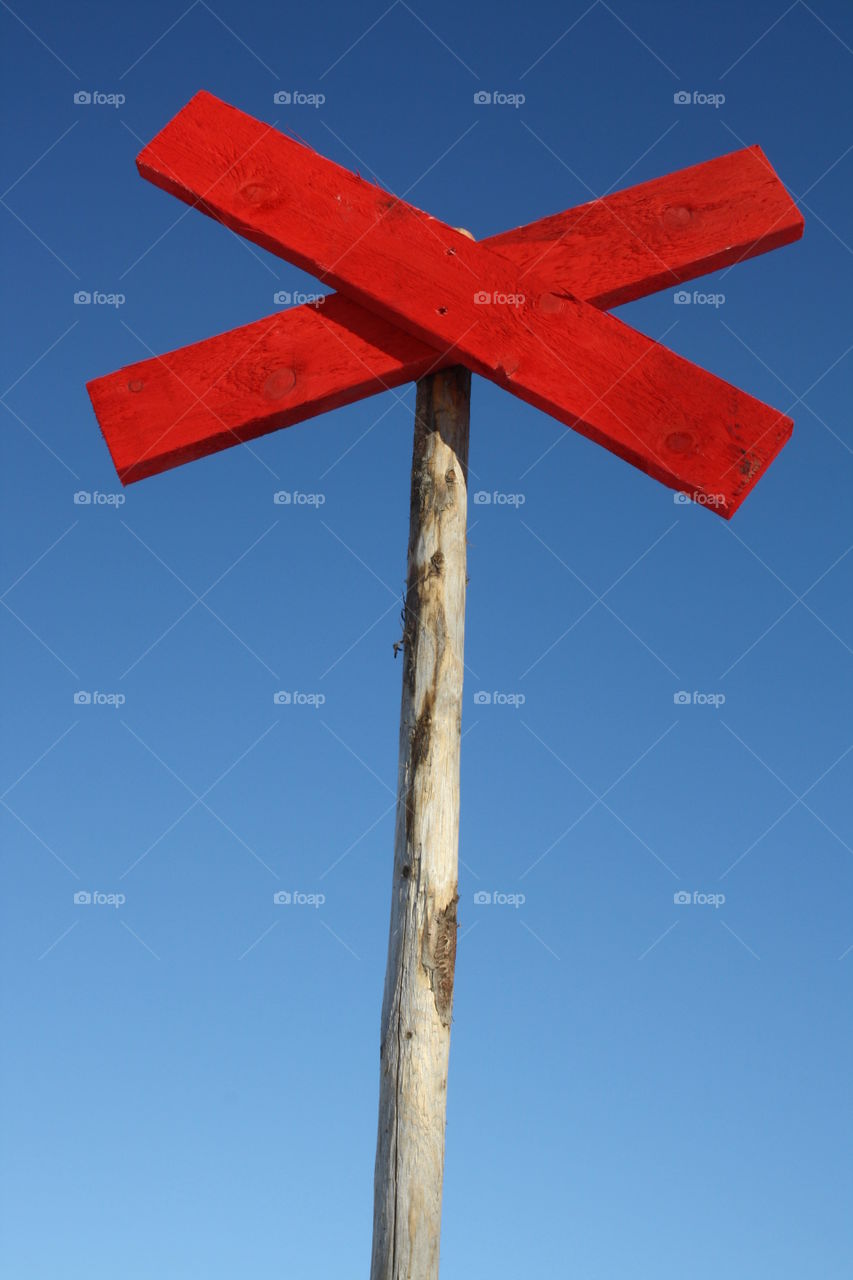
(418, 1000)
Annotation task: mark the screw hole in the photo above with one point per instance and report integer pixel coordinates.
(442, 311)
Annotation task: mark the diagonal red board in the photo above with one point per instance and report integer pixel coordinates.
(162, 412)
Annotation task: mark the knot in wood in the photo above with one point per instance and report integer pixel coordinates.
(439, 957)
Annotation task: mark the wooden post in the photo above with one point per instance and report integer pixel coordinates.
(418, 1000)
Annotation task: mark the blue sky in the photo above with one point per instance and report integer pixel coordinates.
(638, 1087)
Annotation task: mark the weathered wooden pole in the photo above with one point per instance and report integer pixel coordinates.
(418, 1000)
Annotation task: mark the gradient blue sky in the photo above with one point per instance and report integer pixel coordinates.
(638, 1088)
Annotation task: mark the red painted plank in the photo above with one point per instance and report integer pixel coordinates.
(242, 384)
(205, 397)
(660, 233)
(674, 421)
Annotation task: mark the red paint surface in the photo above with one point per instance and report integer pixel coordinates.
(408, 305)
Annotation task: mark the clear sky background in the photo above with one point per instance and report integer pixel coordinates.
(638, 1088)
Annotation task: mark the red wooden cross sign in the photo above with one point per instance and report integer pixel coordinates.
(527, 309)
(524, 308)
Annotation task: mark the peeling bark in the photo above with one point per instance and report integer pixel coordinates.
(418, 1001)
